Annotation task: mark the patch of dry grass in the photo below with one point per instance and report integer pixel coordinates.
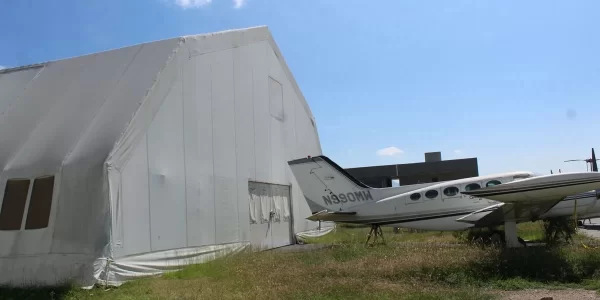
(421, 265)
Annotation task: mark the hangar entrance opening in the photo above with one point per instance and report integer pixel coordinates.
(270, 217)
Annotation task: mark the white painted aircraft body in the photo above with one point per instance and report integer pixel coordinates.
(484, 201)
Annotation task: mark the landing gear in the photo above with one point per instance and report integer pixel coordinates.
(510, 235)
(375, 229)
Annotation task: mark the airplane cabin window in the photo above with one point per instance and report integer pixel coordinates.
(472, 186)
(431, 194)
(451, 191)
(493, 183)
(415, 196)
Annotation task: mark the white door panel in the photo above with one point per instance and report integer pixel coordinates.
(268, 207)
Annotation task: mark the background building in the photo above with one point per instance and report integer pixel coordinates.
(432, 170)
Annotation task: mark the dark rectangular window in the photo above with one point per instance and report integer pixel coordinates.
(40, 204)
(13, 204)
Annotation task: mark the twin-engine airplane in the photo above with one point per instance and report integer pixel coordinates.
(478, 202)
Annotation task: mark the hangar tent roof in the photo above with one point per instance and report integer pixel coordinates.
(66, 110)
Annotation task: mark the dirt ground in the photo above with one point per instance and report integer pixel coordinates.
(570, 294)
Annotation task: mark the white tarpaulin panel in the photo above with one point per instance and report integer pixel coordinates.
(152, 148)
(243, 63)
(167, 174)
(136, 205)
(158, 262)
(199, 151)
(224, 137)
(13, 86)
(262, 115)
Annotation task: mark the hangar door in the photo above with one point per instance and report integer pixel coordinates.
(270, 219)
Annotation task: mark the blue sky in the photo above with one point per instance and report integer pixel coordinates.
(514, 83)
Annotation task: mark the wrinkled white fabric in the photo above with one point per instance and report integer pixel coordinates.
(277, 202)
(254, 204)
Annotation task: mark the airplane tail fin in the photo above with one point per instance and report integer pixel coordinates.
(326, 186)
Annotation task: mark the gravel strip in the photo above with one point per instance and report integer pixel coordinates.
(537, 294)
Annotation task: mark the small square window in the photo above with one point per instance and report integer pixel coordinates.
(40, 204)
(13, 204)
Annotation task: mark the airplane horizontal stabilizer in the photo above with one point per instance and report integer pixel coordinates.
(330, 215)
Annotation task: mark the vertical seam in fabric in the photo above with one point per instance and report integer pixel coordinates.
(270, 134)
(120, 216)
(149, 192)
(212, 136)
(237, 195)
(184, 156)
(57, 205)
(254, 122)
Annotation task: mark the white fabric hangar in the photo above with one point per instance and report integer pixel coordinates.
(140, 160)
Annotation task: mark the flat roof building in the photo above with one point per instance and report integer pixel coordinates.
(432, 170)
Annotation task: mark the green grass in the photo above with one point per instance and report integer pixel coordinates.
(358, 234)
(412, 265)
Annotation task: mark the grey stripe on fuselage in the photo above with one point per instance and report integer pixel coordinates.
(397, 217)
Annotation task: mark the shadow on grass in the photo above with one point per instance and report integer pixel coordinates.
(34, 293)
(520, 268)
(538, 264)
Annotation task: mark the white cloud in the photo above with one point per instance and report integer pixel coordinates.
(192, 3)
(389, 151)
(201, 3)
(2, 67)
(238, 3)
(457, 151)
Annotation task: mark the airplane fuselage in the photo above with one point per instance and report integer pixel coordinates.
(437, 207)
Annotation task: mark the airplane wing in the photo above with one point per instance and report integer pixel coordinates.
(497, 214)
(546, 188)
(528, 198)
